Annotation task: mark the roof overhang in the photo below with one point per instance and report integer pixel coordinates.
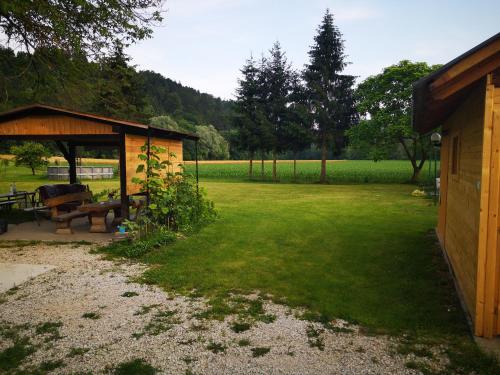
(118, 126)
(436, 95)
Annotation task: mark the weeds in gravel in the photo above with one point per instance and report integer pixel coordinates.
(188, 360)
(239, 327)
(73, 352)
(12, 291)
(464, 356)
(247, 309)
(130, 294)
(145, 309)
(162, 321)
(186, 342)
(259, 352)
(135, 367)
(21, 347)
(47, 366)
(91, 315)
(216, 347)
(14, 355)
(49, 328)
(22, 243)
(325, 320)
(198, 327)
(314, 338)
(244, 342)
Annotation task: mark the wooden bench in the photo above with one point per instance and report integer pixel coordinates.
(63, 220)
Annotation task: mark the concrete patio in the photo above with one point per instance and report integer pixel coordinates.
(30, 231)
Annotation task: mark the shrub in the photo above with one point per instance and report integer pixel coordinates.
(135, 248)
(175, 201)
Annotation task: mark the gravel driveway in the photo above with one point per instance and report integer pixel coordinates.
(87, 316)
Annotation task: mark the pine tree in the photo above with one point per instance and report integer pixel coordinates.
(248, 109)
(330, 94)
(278, 76)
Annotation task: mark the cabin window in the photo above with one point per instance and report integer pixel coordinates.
(454, 155)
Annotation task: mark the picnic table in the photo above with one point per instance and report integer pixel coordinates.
(99, 211)
(19, 197)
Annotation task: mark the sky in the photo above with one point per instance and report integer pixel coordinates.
(204, 43)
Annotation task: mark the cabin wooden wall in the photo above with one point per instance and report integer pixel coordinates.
(53, 125)
(458, 226)
(133, 144)
(487, 322)
(496, 209)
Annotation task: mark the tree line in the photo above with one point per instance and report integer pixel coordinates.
(279, 109)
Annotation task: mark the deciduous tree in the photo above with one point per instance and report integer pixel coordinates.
(385, 102)
(30, 154)
(89, 27)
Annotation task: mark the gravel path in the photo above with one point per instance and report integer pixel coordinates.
(103, 319)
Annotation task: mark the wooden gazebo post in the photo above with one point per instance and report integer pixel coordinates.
(123, 178)
(72, 163)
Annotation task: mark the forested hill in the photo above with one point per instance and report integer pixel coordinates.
(169, 97)
(113, 88)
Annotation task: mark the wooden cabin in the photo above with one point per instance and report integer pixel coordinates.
(70, 129)
(463, 98)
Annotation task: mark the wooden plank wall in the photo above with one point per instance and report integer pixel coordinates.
(461, 226)
(496, 126)
(53, 125)
(486, 323)
(443, 196)
(133, 145)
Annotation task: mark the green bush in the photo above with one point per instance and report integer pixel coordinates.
(135, 248)
(175, 201)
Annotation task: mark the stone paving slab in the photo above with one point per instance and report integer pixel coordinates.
(12, 274)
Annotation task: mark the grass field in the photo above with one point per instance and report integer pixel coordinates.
(338, 172)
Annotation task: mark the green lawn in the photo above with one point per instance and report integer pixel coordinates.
(362, 252)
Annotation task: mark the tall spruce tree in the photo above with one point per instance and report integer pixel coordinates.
(278, 86)
(248, 109)
(330, 94)
(265, 131)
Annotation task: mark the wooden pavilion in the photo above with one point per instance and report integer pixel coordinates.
(70, 129)
(463, 97)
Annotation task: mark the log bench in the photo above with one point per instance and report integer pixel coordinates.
(63, 220)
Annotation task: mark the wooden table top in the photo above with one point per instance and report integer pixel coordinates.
(100, 206)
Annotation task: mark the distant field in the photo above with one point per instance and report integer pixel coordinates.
(338, 171)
